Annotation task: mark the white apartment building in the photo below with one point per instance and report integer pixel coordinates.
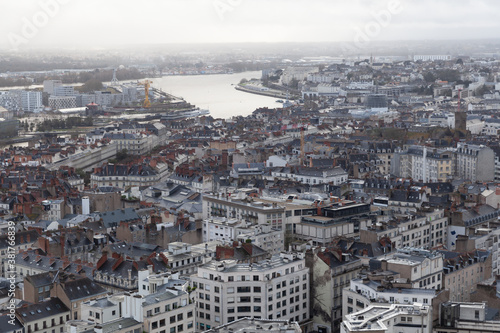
(227, 230)
(475, 162)
(431, 57)
(277, 288)
(50, 85)
(393, 318)
(428, 165)
(185, 258)
(252, 325)
(54, 209)
(465, 317)
(420, 268)
(265, 237)
(161, 303)
(31, 101)
(364, 293)
(245, 209)
(221, 229)
(311, 176)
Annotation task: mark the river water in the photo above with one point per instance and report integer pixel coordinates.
(216, 93)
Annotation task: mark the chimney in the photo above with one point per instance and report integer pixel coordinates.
(63, 240)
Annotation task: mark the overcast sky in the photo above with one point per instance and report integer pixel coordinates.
(101, 23)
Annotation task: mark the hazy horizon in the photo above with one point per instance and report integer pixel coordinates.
(107, 24)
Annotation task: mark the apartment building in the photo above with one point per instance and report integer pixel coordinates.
(464, 317)
(427, 229)
(389, 318)
(277, 288)
(252, 325)
(227, 230)
(123, 176)
(73, 290)
(246, 209)
(363, 293)
(463, 271)
(161, 303)
(135, 144)
(331, 270)
(46, 317)
(475, 162)
(342, 220)
(428, 165)
(420, 268)
(186, 258)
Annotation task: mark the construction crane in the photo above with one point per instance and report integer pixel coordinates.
(147, 85)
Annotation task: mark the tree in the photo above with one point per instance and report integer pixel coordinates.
(91, 85)
(429, 77)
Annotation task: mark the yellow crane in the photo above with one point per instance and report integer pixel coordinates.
(147, 85)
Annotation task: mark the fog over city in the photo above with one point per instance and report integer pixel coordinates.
(97, 24)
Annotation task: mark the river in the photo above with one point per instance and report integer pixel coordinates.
(216, 93)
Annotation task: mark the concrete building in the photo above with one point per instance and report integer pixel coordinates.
(62, 102)
(50, 85)
(345, 220)
(161, 303)
(363, 293)
(419, 268)
(227, 230)
(248, 210)
(64, 91)
(31, 101)
(277, 288)
(455, 317)
(437, 165)
(427, 229)
(475, 162)
(252, 325)
(416, 318)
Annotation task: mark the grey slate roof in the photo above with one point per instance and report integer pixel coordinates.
(82, 288)
(38, 311)
(113, 218)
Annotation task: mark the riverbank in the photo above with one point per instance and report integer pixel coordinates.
(274, 93)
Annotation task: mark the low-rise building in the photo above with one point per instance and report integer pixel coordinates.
(45, 317)
(253, 325)
(389, 318)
